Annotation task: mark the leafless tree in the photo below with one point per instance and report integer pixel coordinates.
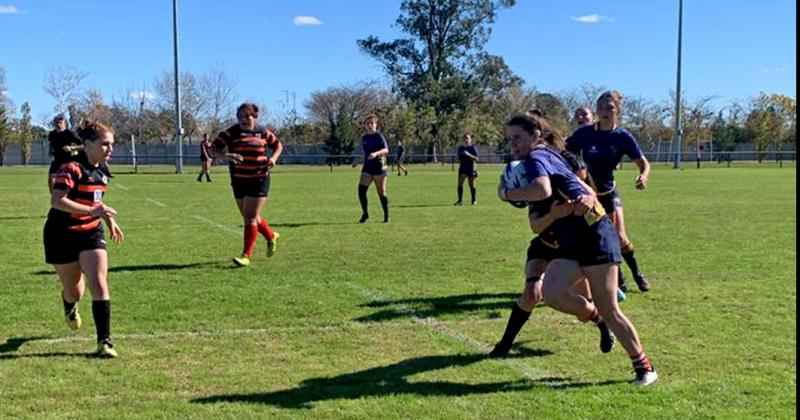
(63, 84)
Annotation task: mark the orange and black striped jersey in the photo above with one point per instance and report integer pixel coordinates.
(252, 145)
(85, 184)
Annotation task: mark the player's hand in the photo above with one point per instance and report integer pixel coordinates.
(559, 210)
(583, 204)
(116, 233)
(641, 182)
(102, 210)
(67, 149)
(502, 190)
(371, 156)
(235, 157)
(270, 162)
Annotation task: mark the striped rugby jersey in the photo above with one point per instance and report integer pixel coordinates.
(85, 184)
(252, 145)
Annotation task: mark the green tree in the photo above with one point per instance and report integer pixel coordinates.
(770, 121)
(5, 116)
(441, 65)
(25, 133)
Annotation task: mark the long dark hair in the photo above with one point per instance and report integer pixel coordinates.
(539, 127)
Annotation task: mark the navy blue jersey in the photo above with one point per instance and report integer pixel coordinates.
(372, 143)
(565, 185)
(602, 151)
(465, 160)
(58, 141)
(401, 151)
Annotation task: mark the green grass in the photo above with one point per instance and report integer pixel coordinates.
(392, 321)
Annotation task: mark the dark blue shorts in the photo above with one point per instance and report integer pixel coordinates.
(54, 167)
(250, 187)
(374, 169)
(467, 170)
(63, 246)
(598, 244)
(610, 201)
(540, 250)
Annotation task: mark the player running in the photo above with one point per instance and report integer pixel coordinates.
(245, 144)
(374, 170)
(467, 169)
(74, 242)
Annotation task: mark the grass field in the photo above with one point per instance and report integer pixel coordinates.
(393, 321)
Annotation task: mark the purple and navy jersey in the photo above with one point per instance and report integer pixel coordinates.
(463, 159)
(401, 151)
(372, 143)
(565, 185)
(602, 151)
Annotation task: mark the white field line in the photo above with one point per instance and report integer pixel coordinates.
(244, 331)
(156, 202)
(120, 186)
(429, 322)
(217, 225)
(443, 329)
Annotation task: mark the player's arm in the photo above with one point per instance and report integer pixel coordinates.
(539, 223)
(539, 189)
(644, 172)
(276, 153)
(60, 201)
(219, 149)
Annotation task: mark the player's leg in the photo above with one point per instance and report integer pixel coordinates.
(94, 264)
(363, 186)
(380, 187)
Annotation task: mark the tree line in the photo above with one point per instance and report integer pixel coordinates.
(442, 84)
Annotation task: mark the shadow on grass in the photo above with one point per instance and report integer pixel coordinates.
(414, 206)
(50, 354)
(437, 306)
(376, 382)
(13, 344)
(150, 267)
(297, 225)
(41, 216)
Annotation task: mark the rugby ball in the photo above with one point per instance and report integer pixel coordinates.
(514, 177)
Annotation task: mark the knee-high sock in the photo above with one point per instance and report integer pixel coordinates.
(101, 312)
(250, 235)
(385, 205)
(630, 259)
(362, 198)
(473, 192)
(516, 320)
(460, 190)
(264, 230)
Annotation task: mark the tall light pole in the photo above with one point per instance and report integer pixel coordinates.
(178, 127)
(677, 141)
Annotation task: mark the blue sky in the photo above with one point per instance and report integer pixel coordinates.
(733, 49)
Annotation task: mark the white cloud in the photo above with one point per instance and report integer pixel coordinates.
(774, 69)
(306, 20)
(147, 96)
(594, 18)
(8, 10)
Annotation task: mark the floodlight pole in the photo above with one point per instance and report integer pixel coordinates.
(677, 141)
(178, 127)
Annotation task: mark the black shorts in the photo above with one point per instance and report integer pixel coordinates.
(374, 170)
(467, 171)
(599, 244)
(250, 187)
(540, 250)
(54, 167)
(63, 246)
(610, 201)
(203, 159)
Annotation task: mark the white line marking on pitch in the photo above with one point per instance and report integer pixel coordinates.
(158, 203)
(245, 331)
(443, 329)
(215, 224)
(121, 187)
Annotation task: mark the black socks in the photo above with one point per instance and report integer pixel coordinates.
(101, 311)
